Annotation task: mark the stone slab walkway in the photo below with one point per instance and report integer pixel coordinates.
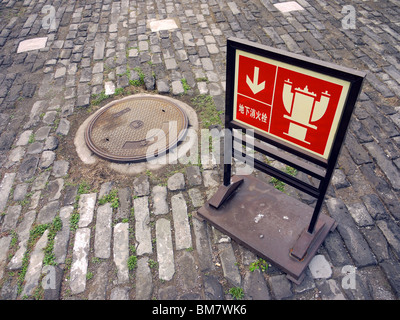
(148, 245)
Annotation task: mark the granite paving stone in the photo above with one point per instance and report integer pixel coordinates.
(63, 127)
(391, 231)
(229, 265)
(124, 208)
(377, 242)
(4, 244)
(23, 235)
(11, 218)
(320, 268)
(193, 176)
(15, 156)
(121, 251)
(47, 159)
(5, 188)
(41, 181)
(177, 87)
(330, 290)
(144, 282)
(62, 237)
(31, 44)
(100, 281)
(86, 206)
(255, 287)
(99, 50)
(34, 270)
(186, 268)
(391, 172)
(165, 253)
(337, 250)
(54, 189)
(160, 205)
(196, 197)
(360, 214)
(20, 191)
(80, 261)
(60, 168)
(35, 200)
(103, 231)
(142, 227)
(355, 242)
(24, 138)
(35, 148)
(213, 289)
(141, 186)
(120, 293)
(43, 132)
(176, 182)
(48, 212)
(183, 239)
(280, 287)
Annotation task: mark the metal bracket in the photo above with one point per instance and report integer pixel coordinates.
(305, 241)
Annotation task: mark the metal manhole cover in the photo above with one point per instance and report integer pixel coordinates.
(124, 130)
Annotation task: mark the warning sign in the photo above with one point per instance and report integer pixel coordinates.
(289, 103)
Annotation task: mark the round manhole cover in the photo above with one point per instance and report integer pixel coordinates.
(125, 129)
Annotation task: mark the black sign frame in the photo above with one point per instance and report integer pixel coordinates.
(320, 169)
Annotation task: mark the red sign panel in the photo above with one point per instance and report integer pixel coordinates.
(289, 103)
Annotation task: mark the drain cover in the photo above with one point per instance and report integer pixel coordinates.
(124, 130)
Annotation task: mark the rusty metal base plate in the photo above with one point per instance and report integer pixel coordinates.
(269, 223)
(136, 128)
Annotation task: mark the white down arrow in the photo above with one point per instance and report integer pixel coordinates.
(254, 85)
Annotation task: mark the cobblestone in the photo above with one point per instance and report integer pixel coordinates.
(102, 238)
(229, 266)
(34, 270)
(183, 238)
(5, 188)
(165, 253)
(48, 212)
(144, 284)
(23, 236)
(106, 46)
(62, 238)
(121, 251)
(86, 207)
(160, 205)
(176, 182)
(320, 268)
(142, 220)
(355, 242)
(80, 261)
(4, 244)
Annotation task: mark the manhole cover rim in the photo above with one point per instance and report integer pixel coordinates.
(120, 158)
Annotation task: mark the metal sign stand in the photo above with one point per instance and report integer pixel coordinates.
(275, 226)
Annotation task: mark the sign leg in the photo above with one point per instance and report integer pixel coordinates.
(227, 174)
(227, 157)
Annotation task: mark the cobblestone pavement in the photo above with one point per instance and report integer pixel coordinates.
(61, 238)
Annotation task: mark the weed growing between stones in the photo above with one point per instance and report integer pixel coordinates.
(237, 293)
(205, 106)
(35, 233)
(111, 198)
(280, 185)
(259, 264)
(132, 263)
(74, 220)
(49, 257)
